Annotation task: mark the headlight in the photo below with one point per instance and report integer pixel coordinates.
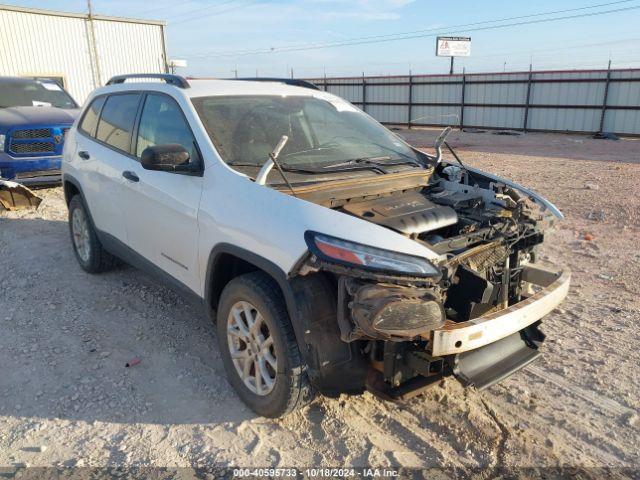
(353, 254)
(3, 138)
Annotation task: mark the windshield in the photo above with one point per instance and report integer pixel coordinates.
(31, 93)
(322, 130)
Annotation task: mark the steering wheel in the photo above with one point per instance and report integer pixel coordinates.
(255, 122)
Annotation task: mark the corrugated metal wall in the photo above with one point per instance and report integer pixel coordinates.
(44, 43)
(566, 101)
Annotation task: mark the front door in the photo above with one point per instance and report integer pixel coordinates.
(161, 212)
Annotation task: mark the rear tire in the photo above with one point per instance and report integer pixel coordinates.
(263, 363)
(91, 256)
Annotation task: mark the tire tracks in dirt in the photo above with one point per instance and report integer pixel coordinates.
(400, 427)
(501, 449)
(599, 401)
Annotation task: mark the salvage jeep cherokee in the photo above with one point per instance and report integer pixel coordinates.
(334, 257)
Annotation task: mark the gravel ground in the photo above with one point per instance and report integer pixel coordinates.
(66, 398)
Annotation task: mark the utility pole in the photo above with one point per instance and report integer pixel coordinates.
(93, 49)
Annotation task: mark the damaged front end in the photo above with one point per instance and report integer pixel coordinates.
(474, 312)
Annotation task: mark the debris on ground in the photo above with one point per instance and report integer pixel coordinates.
(14, 196)
(594, 215)
(605, 136)
(513, 133)
(133, 362)
(473, 130)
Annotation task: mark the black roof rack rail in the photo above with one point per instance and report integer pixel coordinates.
(175, 80)
(296, 82)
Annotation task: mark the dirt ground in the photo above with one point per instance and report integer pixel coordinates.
(66, 398)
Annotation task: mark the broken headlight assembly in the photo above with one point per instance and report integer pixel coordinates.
(352, 254)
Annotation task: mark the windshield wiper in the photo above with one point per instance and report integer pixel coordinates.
(378, 161)
(244, 164)
(347, 168)
(354, 161)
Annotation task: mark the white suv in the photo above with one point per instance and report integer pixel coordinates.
(358, 262)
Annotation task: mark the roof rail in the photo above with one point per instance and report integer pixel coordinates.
(175, 80)
(296, 82)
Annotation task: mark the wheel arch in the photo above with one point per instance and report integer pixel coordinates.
(227, 261)
(333, 366)
(71, 187)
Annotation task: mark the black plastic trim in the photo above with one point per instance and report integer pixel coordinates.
(263, 264)
(124, 252)
(260, 262)
(492, 363)
(66, 178)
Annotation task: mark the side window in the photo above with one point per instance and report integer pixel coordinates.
(90, 120)
(117, 119)
(161, 123)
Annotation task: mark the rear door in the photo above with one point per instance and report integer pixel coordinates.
(161, 212)
(103, 153)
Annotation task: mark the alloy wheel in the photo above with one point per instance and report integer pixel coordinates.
(252, 348)
(80, 230)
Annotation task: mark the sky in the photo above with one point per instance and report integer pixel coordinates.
(223, 38)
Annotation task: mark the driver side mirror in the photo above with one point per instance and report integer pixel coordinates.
(167, 158)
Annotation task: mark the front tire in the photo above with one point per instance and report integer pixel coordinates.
(258, 347)
(91, 256)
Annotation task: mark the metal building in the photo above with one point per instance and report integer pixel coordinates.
(80, 51)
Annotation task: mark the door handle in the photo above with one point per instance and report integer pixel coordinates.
(131, 176)
(84, 155)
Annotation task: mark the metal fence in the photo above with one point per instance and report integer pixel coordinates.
(585, 101)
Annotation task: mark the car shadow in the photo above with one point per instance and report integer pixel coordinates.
(66, 337)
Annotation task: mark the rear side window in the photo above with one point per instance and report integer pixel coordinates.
(90, 119)
(117, 119)
(162, 123)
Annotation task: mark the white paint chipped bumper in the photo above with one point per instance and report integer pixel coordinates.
(455, 338)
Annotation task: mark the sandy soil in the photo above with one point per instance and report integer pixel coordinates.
(66, 398)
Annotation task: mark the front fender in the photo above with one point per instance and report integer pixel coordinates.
(540, 200)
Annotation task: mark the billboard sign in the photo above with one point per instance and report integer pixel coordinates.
(453, 46)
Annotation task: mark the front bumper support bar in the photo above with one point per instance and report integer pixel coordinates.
(455, 338)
